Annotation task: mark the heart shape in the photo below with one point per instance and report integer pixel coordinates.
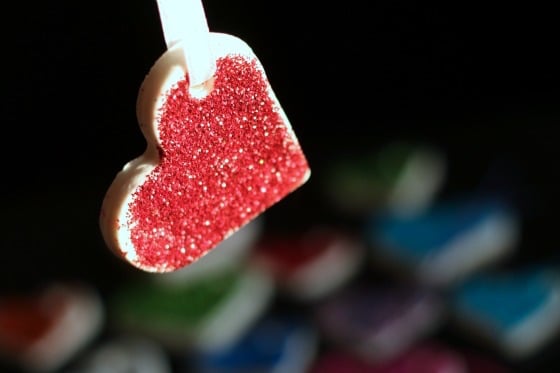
(213, 162)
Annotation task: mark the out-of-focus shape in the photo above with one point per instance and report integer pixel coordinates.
(402, 177)
(517, 312)
(277, 343)
(378, 322)
(447, 242)
(207, 313)
(125, 354)
(311, 265)
(42, 331)
(429, 357)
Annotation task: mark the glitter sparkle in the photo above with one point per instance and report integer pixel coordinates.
(224, 159)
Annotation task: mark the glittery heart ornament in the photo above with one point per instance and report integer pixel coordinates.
(214, 160)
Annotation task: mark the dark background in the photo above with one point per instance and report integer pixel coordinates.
(478, 81)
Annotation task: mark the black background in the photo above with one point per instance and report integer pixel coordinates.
(478, 81)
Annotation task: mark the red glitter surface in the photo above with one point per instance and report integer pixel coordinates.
(224, 159)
